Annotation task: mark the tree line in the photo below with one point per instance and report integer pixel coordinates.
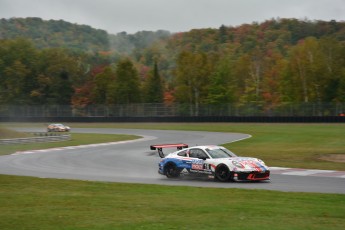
(272, 63)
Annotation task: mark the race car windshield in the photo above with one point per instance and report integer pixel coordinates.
(220, 153)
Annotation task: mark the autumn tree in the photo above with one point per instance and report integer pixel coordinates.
(192, 79)
(153, 87)
(126, 87)
(274, 66)
(306, 69)
(222, 88)
(102, 86)
(18, 67)
(222, 37)
(57, 71)
(248, 71)
(334, 69)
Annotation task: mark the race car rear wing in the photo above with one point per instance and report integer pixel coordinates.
(161, 146)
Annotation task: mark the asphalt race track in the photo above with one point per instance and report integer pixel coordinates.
(134, 162)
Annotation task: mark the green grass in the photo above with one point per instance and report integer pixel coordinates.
(77, 139)
(33, 203)
(7, 133)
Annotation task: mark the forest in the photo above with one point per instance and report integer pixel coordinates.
(273, 63)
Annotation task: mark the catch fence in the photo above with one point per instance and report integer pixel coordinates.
(176, 110)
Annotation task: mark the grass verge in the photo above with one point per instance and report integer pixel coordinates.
(7, 133)
(33, 203)
(77, 139)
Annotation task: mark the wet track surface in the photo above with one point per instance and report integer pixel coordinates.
(134, 162)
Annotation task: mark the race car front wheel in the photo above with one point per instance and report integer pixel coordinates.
(171, 171)
(223, 173)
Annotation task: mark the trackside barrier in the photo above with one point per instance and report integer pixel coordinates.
(40, 139)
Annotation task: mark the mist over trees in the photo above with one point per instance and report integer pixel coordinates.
(271, 63)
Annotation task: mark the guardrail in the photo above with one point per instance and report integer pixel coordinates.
(40, 139)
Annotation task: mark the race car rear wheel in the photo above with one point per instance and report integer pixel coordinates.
(171, 171)
(223, 173)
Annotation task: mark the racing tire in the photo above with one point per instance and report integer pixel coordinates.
(223, 173)
(171, 171)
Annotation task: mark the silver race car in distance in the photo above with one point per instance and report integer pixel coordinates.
(58, 128)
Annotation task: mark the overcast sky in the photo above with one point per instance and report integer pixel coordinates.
(174, 15)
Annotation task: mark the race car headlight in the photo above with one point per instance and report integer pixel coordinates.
(237, 164)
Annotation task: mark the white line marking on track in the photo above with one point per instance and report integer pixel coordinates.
(301, 173)
(278, 168)
(249, 136)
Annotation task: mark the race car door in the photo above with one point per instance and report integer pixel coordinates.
(199, 161)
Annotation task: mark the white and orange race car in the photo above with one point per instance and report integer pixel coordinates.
(212, 161)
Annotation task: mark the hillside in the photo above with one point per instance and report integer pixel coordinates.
(269, 64)
(55, 33)
(59, 33)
